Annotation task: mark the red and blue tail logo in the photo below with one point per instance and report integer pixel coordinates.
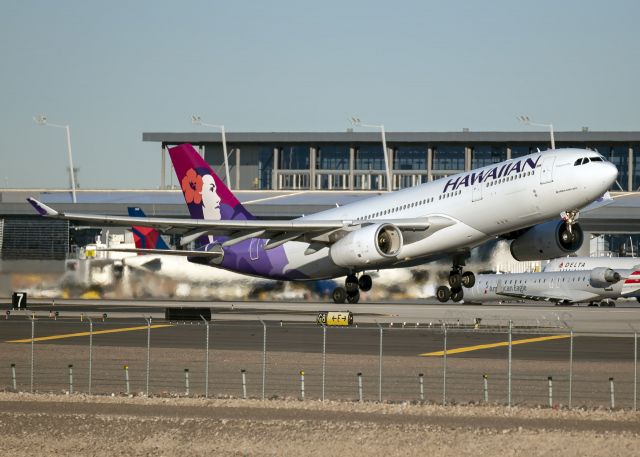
(146, 237)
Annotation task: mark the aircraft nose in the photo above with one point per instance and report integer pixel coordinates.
(609, 173)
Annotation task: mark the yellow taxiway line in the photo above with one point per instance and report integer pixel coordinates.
(98, 332)
(494, 345)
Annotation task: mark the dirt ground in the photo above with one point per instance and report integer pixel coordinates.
(56, 425)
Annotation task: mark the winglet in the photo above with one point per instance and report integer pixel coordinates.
(41, 208)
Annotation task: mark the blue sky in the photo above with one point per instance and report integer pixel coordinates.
(113, 70)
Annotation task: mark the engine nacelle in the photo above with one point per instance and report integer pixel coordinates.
(603, 277)
(547, 241)
(371, 245)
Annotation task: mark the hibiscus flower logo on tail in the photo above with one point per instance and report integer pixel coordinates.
(192, 187)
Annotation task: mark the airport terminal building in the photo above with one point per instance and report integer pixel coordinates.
(264, 169)
(354, 160)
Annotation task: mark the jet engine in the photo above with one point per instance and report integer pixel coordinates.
(603, 277)
(547, 241)
(371, 245)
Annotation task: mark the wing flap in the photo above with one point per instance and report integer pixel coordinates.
(205, 254)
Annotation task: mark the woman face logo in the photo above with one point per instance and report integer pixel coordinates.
(210, 198)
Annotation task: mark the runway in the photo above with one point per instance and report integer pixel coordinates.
(410, 329)
(622, 320)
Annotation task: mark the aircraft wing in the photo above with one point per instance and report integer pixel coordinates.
(569, 296)
(205, 254)
(277, 231)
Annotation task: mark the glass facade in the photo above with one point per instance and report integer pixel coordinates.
(294, 157)
(448, 157)
(369, 157)
(332, 157)
(410, 158)
(482, 156)
(265, 167)
(523, 150)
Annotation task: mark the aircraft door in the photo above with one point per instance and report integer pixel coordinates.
(546, 172)
(254, 248)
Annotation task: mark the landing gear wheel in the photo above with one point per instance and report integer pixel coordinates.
(468, 279)
(365, 282)
(443, 294)
(351, 284)
(339, 295)
(457, 295)
(353, 298)
(455, 280)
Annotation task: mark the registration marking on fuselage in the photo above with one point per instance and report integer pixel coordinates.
(494, 345)
(97, 332)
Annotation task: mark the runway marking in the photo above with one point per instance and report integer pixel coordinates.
(99, 332)
(494, 345)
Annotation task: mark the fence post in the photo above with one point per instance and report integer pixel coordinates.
(360, 387)
(509, 364)
(302, 384)
(264, 357)
(206, 360)
(444, 365)
(324, 356)
(148, 352)
(570, 368)
(380, 368)
(244, 383)
(13, 377)
(90, 351)
(33, 336)
(186, 381)
(635, 371)
(421, 383)
(126, 378)
(485, 387)
(550, 381)
(613, 398)
(70, 379)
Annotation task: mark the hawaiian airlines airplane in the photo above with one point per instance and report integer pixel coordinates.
(597, 286)
(533, 200)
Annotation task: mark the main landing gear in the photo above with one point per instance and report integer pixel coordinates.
(457, 280)
(352, 287)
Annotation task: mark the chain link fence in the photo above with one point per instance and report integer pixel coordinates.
(445, 364)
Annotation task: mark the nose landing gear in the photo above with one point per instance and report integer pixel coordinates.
(351, 290)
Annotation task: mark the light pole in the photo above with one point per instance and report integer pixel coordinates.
(527, 121)
(356, 122)
(198, 121)
(42, 120)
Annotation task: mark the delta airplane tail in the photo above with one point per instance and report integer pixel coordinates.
(204, 192)
(146, 237)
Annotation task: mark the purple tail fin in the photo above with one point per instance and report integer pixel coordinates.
(204, 192)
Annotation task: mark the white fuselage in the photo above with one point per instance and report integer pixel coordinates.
(567, 286)
(482, 203)
(589, 263)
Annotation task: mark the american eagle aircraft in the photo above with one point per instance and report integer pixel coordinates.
(596, 286)
(533, 200)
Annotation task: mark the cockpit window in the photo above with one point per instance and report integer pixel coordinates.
(596, 159)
